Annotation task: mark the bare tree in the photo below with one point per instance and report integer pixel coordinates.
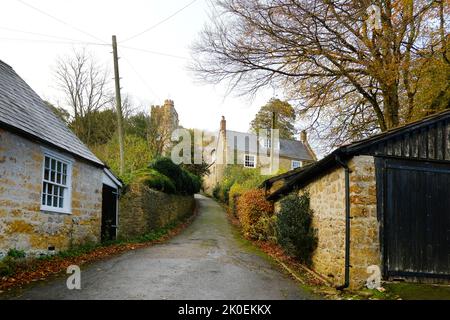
(86, 86)
(348, 78)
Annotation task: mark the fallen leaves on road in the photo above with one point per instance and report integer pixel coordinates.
(37, 270)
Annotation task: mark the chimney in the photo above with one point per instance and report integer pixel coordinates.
(304, 137)
(223, 125)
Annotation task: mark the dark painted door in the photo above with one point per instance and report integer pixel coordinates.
(109, 213)
(417, 219)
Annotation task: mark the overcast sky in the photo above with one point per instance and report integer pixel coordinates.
(148, 78)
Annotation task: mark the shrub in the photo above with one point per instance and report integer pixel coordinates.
(235, 192)
(216, 191)
(156, 180)
(16, 254)
(251, 206)
(14, 259)
(167, 168)
(181, 180)
(266, 228)
(294, 227)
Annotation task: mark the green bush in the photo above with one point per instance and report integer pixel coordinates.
(7, 266)
(156, 180)
(183, 181)
(216, 191)
(14, 259)
(251, 206)
(16, 254)
(243, 178)
(294, 227)
(265, 228)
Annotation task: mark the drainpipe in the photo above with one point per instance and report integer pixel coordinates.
(347, 223)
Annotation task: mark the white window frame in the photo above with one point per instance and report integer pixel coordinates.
(267, 143)
(296, 161)
(67, 208)
(245, 161)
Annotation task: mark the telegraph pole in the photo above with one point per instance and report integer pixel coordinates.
(118, 105)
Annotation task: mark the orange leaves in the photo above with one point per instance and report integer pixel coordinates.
(251, 205)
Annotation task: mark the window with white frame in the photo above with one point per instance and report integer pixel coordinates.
(267, 143)
(56, 184)
(296, 164)
(250, 161)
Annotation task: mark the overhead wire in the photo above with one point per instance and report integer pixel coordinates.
(160, 22)
(60, 20)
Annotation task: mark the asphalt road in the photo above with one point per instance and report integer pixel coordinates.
(209, 260)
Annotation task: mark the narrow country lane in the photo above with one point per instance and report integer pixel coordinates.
(209, 260)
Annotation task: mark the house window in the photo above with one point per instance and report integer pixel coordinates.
(267, 143)
(56, 184)
(250, 161)
(296, 164)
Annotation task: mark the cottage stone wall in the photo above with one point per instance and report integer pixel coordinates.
(327, 200)
(143, 210)
(22, 224)
(364, 233)
(327, 195)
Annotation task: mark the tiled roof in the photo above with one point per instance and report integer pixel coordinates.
(288, 148)
(21, 108)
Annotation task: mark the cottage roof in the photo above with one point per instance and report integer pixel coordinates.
(288, 148)
(23, 111)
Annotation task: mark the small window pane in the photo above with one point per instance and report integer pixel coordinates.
(55, 175)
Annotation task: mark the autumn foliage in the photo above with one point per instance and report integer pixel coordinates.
(251, 206)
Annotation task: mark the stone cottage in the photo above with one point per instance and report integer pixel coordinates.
(54, 192)
(383, 201)
(247, 150)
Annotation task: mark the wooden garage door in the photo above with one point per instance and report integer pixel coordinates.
(416, 219)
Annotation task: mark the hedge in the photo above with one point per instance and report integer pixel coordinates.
(183, 182)
(251, 207)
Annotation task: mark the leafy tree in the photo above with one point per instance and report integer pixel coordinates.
(350, 78)
(138, 125)
(285, 115)
(138, 155)
(102, 126)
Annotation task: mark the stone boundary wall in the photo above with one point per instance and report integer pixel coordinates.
(143, 210)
